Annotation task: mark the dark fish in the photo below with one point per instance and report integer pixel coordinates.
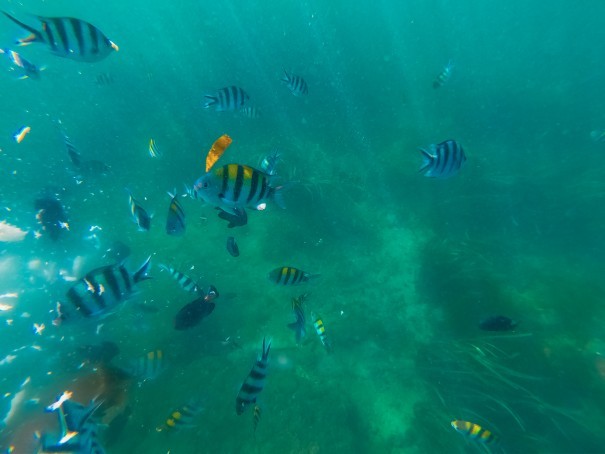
(250, 112)
(118, 251)
(296, 84)
(445, 75)
(269, 163)
(299, 325)
(182, 417)
(101, 353)
(69, 38)
(474, 431)
(139, 215)
(191, 314)
(234, 187)
(183, 280)
(29, 69)
(232, 247)
(497, 323)
(234, 220)
(229, 98)
(175, 223)
(254, 382)
(287, 275)
(102, 289)
(84, 167)
(51, 216)
(147, 367)
(443, 160)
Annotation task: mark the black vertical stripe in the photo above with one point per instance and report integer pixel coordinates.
(126, 278)
(97, 296)
(444, 156)
(49, 36)
(227, 104)
(78, 301)
(112, 282)
(253, 186)
(263, 189)
(60, 27)
(94, 39)
(76, 25)
(239, 182)
(225, 181)
(296, 275)
(288, 270)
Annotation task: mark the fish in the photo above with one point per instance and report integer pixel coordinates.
(11, 233)
(320, 329)
(102, 289)
(191, 314)
(186, 283)
(175, 222)
(69, 37)
(296, 84)
(256, 417)
(234, 187)
(473, 431)
(234, 220)
(269, 163)
(104, 79)
(30, 71)
(252, 112)
(84, 167)
(232, 247)
(182, 417)
(442, 160)
(288, 275)
(21, 133)
(154, 152)
(254, 382)
(445, 75)
(498, 323)
(299, 325)
(51, 215)
(139, 215)
(227, 99)
(216, 150)
(147, 367)
(598, 135)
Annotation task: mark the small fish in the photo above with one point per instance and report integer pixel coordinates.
(30, 70)
(21, 133)
(445, 76)
(598, 135)
(442, 160)
(474, 431)
(175, 222)
(296, 84)
(234, 220)
(102, 289)
(498, 323)
(321, 332)
(299, 325)
(147, 367)
(234, 187)
(181, 418)
(227, 99)
(193, 313)
(287, 275)
(269, 163)
(104, 79)
(216, 150)
(232, 247)
(254, 382)
(69, 37)
(153, 149)
(139, 215)
(250, 112)
(256, 417)
(51, 215)
(183, 280)
(84, 167)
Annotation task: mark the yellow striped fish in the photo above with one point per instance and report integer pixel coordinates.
(320, 329)
(473, 431)
(153, 149)
(182, 417)
(288, 275)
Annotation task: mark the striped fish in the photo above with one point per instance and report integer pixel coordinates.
(445, 75)
(153, 149)
(227, 99)
(233, 187)
(320, 329)
(175, 222)
(102, 289)
(147, 367)
(139, 215)
(473, 431)
(269, 162)
(250, 112)
(296, 84)
(182, 417)
(288, 275)
(254, 382)
(69, 38)
(443, 160)
(186, 283)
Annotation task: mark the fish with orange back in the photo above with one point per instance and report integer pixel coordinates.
(217, 150)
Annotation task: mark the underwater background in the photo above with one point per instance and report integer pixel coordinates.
(408, 265)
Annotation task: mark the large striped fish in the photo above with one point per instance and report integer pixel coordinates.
(442, 160)
(102, 289)
(288, 275)
(254, 382)
(234, 187)
(69, 38)
(296, 84)
(473, 431)
(228, 98)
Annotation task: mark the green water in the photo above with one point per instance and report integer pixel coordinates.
(408, 264)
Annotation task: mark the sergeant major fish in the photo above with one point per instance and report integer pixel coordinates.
(186, 283)
(296, 84)
(175, 222)
(227, 99)
(445, 75)
(321, 332)
(288, 275)
(182, 417)
(269, 163)
(254, 382)
(139, 215)
(473, 431)
(442, 160)
(69, 38)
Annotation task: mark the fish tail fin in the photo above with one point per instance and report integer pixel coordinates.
(266, 348)
(36, 35)
(210, 101)
(286, 77)
(427, 160)
(141, 273)
(277, 194)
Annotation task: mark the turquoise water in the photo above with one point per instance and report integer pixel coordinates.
(409, 265)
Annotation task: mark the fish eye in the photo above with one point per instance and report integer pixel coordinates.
(205, 185)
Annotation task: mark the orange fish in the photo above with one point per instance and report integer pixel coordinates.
(21, 133)
(217, 150)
